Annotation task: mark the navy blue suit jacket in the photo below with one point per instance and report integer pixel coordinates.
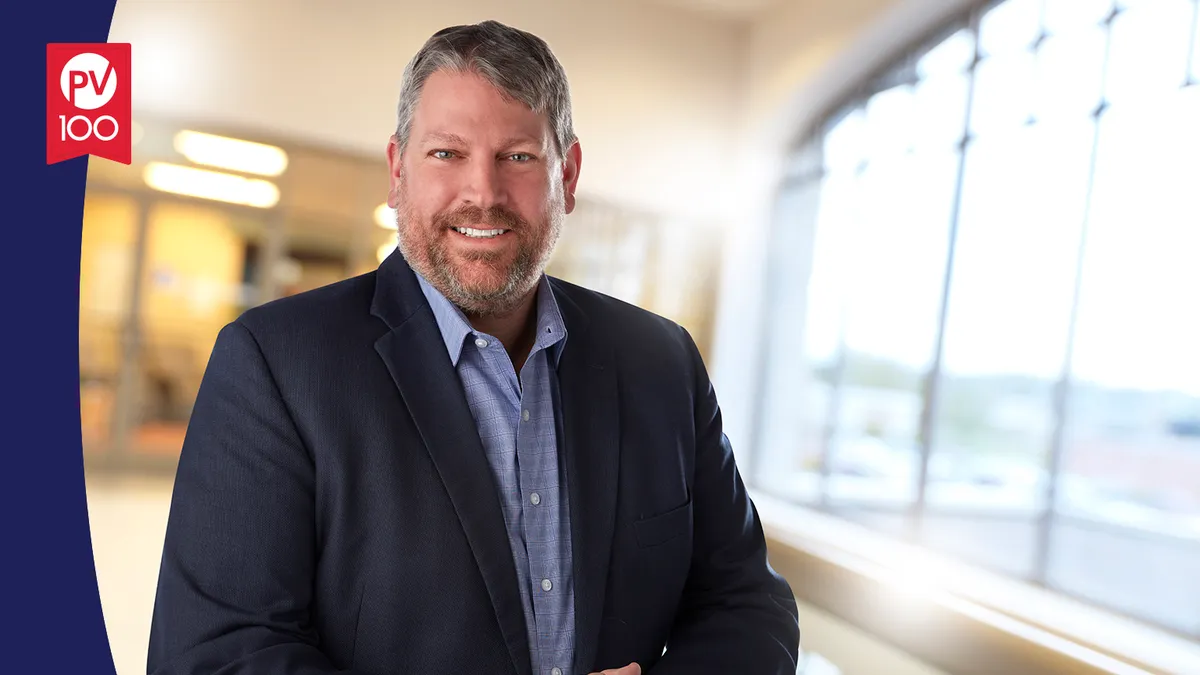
(333, 510)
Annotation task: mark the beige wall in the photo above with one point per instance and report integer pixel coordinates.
(801, 56)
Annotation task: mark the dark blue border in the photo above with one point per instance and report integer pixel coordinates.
(52, 617)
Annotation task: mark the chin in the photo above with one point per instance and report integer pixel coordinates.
(481, 278)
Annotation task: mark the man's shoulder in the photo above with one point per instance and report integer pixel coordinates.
(338, 303)
(624, 321)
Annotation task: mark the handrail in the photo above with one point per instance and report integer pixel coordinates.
(952, 616)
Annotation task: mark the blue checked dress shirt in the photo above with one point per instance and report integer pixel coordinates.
(518, 423)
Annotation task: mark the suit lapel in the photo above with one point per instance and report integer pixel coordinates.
(590, 444)
(415, 355)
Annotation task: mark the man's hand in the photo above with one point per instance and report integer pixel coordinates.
(631, 669)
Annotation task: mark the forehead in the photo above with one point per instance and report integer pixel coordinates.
(468, 106)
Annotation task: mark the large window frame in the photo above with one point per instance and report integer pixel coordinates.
(793, 233)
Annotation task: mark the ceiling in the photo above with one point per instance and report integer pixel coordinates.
(738, 10)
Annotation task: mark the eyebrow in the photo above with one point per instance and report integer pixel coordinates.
(445, 138)
(455, 139)
(517, 140)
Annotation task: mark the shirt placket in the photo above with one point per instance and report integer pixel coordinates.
(539, 495)
(496, 360)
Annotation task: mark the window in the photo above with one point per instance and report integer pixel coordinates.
(991, 343)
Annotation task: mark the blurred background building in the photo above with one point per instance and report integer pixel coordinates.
(942, 258)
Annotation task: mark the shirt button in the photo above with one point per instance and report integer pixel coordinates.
(546, 585)
(525, 415)
(556, 671)
(480, 342)
(535, 499)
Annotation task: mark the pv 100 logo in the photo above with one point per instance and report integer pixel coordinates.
(88, 102)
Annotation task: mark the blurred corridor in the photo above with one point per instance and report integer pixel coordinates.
(940, 256)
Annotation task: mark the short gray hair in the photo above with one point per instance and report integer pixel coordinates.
(519, 64)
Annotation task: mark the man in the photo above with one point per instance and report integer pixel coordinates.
(456, 464)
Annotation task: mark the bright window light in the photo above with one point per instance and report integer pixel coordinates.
(231, 153)
(385, 250)
(385, 216)
(205, 184)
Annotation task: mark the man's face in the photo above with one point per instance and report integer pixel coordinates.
(480, 193)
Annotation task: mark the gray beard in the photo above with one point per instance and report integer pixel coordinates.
(521, 277)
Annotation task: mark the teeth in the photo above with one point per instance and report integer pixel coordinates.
(481, 234)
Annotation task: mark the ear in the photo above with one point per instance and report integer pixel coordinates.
(395, 166)
(572, 160)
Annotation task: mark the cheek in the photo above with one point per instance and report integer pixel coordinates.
(534, 199)
(431, 191)
(423, 208)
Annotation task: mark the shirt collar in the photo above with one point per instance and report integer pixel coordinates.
(455, 328)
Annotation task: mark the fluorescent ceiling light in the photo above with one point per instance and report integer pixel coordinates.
(231, 153)
(385, 216)
(205, 184)
(385, 250)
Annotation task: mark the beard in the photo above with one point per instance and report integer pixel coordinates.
(480, 283)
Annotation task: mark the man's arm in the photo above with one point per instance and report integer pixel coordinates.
(237, 569)
(737, 614)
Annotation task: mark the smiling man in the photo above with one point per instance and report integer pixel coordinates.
(457, 464)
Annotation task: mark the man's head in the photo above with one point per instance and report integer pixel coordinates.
(484, 163)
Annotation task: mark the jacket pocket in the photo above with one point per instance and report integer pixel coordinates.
(663, 527)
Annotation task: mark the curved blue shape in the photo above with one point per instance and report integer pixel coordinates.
(51, 604)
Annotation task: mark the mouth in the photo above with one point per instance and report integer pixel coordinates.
(479, 234)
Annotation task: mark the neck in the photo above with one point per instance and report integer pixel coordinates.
(514, 329)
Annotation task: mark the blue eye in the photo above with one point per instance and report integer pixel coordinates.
(442, 154)
(521, 157)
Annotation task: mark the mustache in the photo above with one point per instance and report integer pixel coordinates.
(495, 217)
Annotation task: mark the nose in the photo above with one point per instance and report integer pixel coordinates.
(484, 184)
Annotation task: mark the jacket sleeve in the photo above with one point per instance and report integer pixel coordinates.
(236, 577)
(737, 615)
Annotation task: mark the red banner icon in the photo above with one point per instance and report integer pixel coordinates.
(89, 107)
